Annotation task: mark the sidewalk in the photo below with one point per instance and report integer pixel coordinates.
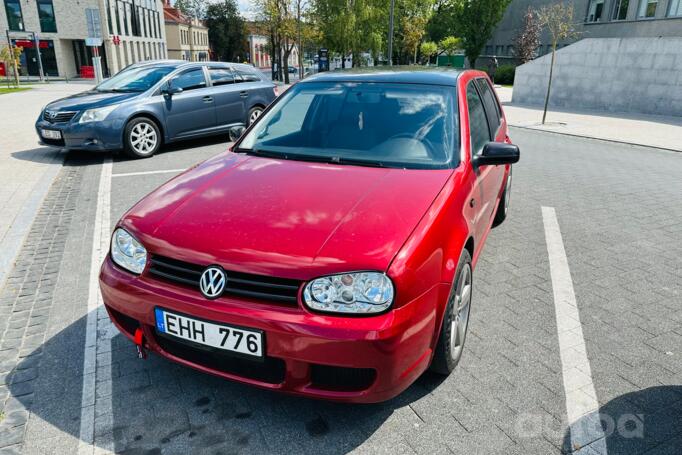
(26, 168)
(648, 130)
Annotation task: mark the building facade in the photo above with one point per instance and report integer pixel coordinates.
(129, 30)
(259, 52)
(187, 38)
(593, 19)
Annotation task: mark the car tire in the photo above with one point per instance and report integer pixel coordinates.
(141, 138)
(503, 206)
(254, 113)
(455, 319)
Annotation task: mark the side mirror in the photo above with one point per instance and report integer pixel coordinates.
(495, 153)
(170, 90)
(236, 132)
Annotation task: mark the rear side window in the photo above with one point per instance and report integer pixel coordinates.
(479, 129)
(221, 76)
(243, 75)
(491, 106)
(190, 80)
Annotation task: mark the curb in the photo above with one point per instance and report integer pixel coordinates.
(613, 141)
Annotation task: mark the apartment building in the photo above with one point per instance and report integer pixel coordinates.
(187, 37)
(56, 30)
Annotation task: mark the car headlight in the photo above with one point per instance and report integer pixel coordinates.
(97, 115)
(359, 292)
(127, 252)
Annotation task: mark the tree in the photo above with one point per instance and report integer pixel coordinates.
(351, 26)
(450, 45)
(226, 31)
(428, 49)
(192, 8)
(474, 22)
(558, 19)
(10, 56)
(415, 17)
(528, 38)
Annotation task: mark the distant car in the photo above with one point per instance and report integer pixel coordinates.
(293, 70)
(331, 252)
(151, 103)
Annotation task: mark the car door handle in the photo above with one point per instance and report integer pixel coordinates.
(244, 94)
(208, 99)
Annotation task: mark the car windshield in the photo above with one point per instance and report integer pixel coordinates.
(136, 79)
(372, 124)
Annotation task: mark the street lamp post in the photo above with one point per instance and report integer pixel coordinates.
(390, 34)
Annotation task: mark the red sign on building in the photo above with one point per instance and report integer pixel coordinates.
(116, 40)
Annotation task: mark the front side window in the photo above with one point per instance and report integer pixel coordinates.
(479, 131)
(595, 10)
(675, 8)
(190, 80)
(492, 109)
(48, 23)
(620, 10)
(14, 17)
(136, 79)
(647, 8)
(360, 123)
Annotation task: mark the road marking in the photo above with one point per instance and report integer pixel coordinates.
(100, 246)
(581, 399)
(163, 171)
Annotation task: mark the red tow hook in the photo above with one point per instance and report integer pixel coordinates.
(139, 344)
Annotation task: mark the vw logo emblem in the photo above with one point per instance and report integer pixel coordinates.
(212, 282)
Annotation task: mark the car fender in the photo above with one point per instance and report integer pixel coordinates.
(148, 111)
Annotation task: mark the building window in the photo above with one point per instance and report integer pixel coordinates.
(675, 8)
(647, 8)
(14, 17)
(620, 10)
(595, 10)
(46, 15)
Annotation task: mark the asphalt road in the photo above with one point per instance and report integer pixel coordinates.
(612, 242)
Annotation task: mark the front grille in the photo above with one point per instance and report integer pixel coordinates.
(329, 377)
(58, 117)
(259, 287)
(270, 370)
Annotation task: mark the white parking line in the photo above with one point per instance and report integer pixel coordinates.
(100, 246)
(581, 398)
(163, 171)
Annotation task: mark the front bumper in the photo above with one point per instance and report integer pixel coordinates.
(93, 136)
(372, 359)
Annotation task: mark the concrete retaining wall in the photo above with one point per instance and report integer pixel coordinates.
(641, 75)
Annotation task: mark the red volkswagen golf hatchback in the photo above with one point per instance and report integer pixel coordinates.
(330, 252)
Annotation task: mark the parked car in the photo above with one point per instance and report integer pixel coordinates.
(330, 252)
(151, 103)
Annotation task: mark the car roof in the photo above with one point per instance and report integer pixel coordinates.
(185, 63)
(396, 74)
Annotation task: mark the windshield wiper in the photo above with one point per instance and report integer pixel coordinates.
(312, 158)
(355, 162)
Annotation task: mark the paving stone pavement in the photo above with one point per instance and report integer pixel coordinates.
(621, 224)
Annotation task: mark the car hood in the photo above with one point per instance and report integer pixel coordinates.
(89, 100)
(290, 219)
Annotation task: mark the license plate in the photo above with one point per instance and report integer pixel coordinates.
(51, 134)
(220, 336)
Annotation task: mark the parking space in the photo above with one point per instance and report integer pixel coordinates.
(65, 383)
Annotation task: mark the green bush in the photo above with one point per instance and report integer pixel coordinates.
(505, 74)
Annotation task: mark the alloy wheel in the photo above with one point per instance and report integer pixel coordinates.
(460, 319)
(254, 115)
(143, 138)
